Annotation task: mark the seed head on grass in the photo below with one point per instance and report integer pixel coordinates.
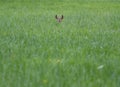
(58, 61)
(45, 81)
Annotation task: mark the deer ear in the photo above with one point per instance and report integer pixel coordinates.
(56, 17)
(62, 17)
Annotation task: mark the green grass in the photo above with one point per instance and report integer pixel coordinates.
(81, 51)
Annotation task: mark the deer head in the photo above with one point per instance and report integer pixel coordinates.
(59, 19)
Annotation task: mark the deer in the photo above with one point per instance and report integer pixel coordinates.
(59, 19)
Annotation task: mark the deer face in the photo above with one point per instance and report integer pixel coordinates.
(59, 19)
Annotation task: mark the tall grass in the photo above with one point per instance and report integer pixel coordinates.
(81, 51)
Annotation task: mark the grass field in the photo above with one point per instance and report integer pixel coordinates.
(81, 51)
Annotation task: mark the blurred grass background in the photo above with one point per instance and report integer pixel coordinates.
(81, 51)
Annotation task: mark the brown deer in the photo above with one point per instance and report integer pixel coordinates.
(59, 19)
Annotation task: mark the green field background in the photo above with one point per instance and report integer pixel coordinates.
(81, 51)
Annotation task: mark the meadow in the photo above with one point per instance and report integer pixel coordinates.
(81, 51)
